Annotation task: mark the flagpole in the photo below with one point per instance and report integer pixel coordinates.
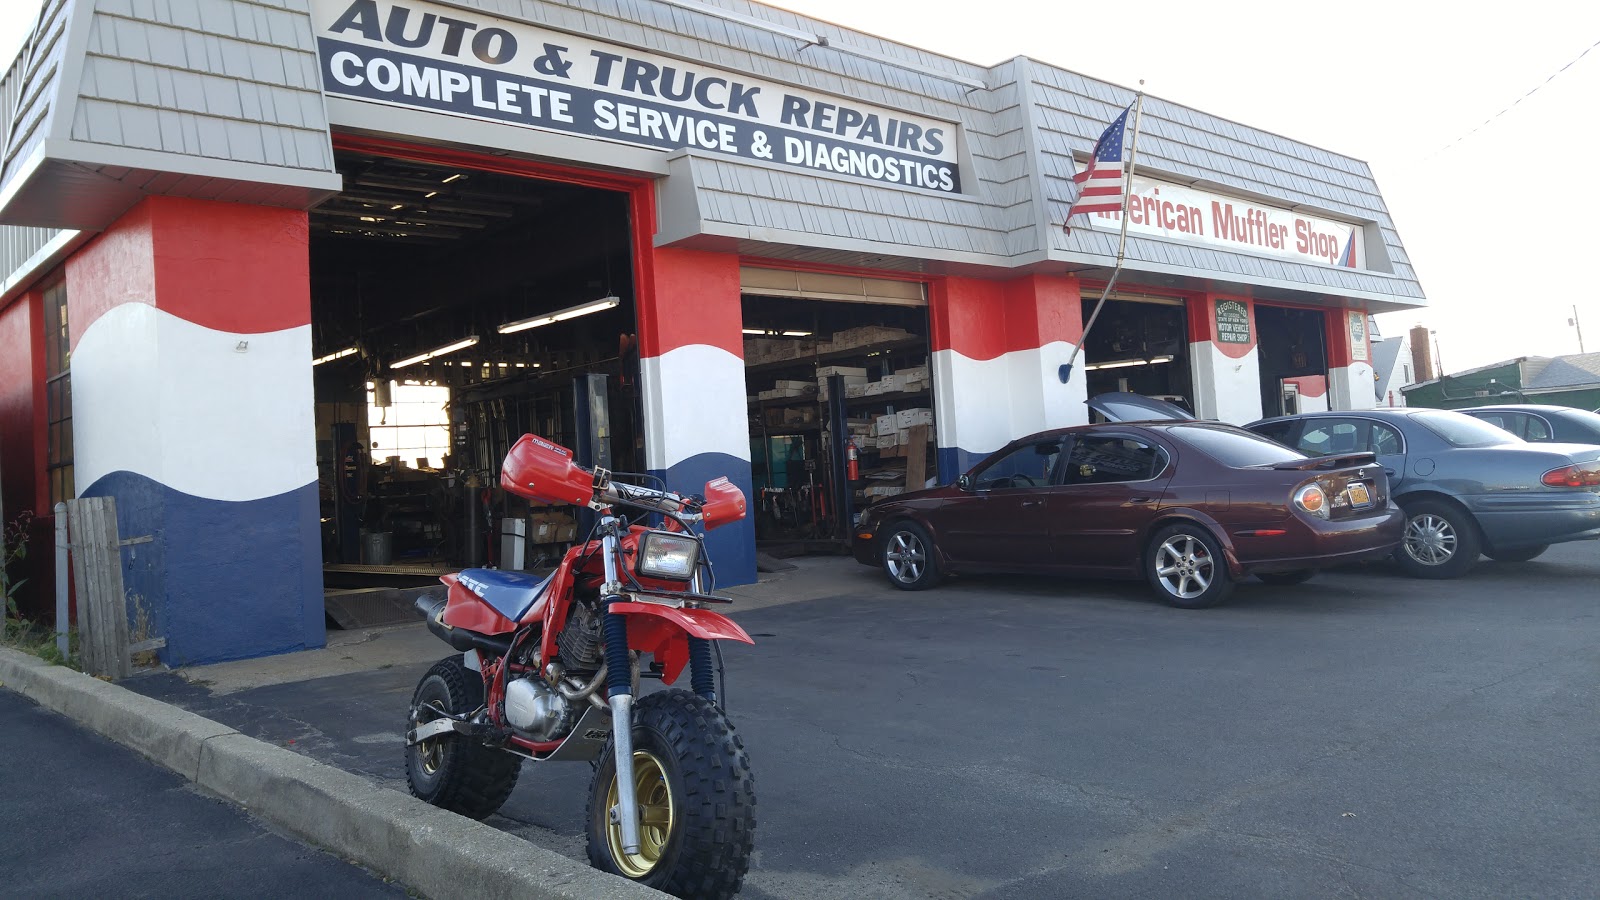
(1122, 239)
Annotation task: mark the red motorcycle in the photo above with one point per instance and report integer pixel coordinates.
(550, 670)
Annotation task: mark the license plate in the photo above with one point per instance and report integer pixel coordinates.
(1358, 494)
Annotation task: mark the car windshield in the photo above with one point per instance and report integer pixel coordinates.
(1235, 447)
(1462, 430)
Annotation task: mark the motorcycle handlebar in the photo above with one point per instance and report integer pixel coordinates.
(651, 498)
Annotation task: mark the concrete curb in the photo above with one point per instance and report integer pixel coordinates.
(434, 852)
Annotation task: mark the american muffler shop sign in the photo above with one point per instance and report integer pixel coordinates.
(426, 56)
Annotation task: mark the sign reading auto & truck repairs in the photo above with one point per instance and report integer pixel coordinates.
(1179, 213)
(424, 56)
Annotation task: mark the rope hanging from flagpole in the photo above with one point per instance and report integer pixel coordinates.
(1122, 239)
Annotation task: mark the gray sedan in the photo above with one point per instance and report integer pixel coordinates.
(1466, 486)
(1542, 424)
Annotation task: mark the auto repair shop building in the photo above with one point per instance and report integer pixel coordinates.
(285, 277)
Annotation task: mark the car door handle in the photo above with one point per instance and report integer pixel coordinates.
(1141, 499)
(1389, 472)
(1028, 503)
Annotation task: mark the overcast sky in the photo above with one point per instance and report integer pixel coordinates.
(1500, 222)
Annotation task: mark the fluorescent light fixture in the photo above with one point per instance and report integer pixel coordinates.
(435, 352)
(775, 333)
(560, 315)
(430, 195)
(1125, 363)
(452, 178)
(338, 354)
(754, 330)
(796, 334)
(397, 206)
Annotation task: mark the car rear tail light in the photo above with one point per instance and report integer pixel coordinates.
(1312, 499)
(1578, 476)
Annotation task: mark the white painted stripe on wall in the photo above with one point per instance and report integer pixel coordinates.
(1225, 388)
(1351, 387)
(210, 413)
(982, 405)
(694, 402)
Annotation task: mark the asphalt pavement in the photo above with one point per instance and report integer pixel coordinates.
(81, 816)
(1363, 734)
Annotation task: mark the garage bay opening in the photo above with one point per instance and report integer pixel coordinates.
(453, 310)
(1139, 344)
(1294, 359)
(840, 397)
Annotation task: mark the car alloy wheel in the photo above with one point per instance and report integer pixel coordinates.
(908, 556)
(905, 556)
(1185, 566)
(1430, 540)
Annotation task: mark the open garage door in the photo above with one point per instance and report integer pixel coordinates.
(818, 458)
(454, 310)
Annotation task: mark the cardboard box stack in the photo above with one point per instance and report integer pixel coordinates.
(854, 378)
(549, 526)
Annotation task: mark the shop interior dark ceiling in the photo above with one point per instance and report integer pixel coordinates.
(415, 256)
(789, 317)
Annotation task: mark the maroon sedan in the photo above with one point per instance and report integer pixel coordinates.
(1190, 506)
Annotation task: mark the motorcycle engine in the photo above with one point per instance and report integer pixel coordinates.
(537, 712)
(579, 641)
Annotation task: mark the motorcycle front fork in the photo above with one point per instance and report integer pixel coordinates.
(619, 688)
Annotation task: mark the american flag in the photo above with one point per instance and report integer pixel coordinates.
(1103, 180)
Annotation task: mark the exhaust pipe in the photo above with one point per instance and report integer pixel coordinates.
(459, 638)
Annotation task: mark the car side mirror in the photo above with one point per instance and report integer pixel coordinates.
(964, 483)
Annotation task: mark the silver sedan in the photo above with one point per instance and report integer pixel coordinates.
(1466, 486)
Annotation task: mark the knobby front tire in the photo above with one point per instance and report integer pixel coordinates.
(696, 800)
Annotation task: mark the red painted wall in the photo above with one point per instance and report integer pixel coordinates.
(190, 248)
(693, 299)
(23, 484)
(984, 320)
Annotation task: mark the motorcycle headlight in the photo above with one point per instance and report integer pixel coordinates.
(669, 556)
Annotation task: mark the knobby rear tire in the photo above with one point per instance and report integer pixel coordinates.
(451, 771)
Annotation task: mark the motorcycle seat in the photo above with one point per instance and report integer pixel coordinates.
(511, 594)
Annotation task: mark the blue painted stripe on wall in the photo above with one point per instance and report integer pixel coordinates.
(222, 580)
(732, 547)
(955, 462)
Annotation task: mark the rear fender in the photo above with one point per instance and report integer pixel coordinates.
(665, 630)
(1219, 534)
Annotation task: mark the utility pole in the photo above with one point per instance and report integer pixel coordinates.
(1578, 325)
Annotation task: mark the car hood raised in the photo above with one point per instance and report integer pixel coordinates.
(1122, 406)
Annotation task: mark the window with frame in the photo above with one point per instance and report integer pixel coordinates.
(1108, 459)
(415, 427)
(58, 395)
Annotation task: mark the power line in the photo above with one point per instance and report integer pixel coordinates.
(1535, 90)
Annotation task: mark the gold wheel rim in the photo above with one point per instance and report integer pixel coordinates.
(656, 817)
(432, 754)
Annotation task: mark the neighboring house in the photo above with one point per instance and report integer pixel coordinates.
(1572, 380)
(1391, 369)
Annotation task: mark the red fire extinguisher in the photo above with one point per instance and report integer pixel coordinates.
(852, 468)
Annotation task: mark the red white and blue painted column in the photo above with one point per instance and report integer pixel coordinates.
(193, 407)
(1225, 358)
(691, 350)
(998, 347)
(1351, 384)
